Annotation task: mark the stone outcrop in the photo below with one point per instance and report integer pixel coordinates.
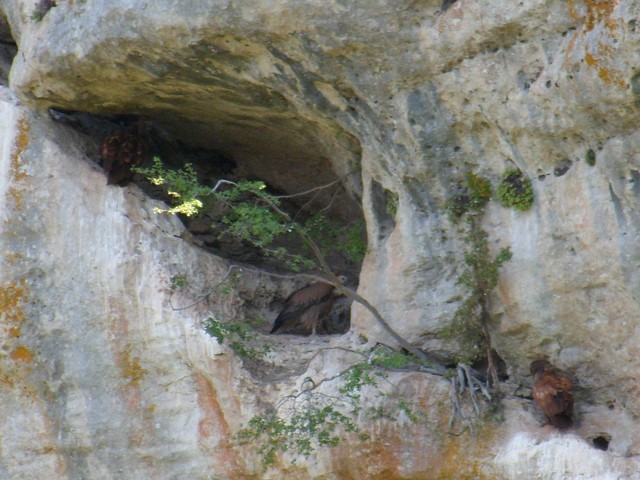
(104, 378)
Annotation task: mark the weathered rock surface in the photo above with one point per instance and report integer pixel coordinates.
(102, 379)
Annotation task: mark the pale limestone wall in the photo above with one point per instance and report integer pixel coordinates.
(414, 96)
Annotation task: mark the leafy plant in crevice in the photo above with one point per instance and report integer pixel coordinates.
(181, 185)
(472, 199)
(331, 236)
(515, 190)
(252, 214)
(472, 320)
(312, 418)
(178, 281)
(238, 335)
(391, 200)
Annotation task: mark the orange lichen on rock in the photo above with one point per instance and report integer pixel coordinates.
(602, 56)
(464, 458)
(15, 332)
(17, 173)
(609, 76)
(131, 369)
(597, 11)
(600, 10)
(12, 297)
(22, 353)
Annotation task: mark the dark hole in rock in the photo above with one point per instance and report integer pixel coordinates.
(8, 49)
(482, 365)
(385, 204)
(339, 231)
(446, 4)
(41, 8)
(563, 168)
(601, 442)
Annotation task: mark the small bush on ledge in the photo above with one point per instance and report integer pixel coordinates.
(474, 197)
(515, 190)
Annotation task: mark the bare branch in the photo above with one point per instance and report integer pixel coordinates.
(222, 182)
(321, 187)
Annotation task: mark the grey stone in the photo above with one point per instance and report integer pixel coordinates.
(113, 383)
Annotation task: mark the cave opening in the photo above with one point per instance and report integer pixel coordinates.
(297, 169)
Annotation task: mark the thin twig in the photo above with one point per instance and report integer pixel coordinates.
(313, 388)
(204, 296)
(222, 182)
(321, 187)
(328, 206)
(305, 205)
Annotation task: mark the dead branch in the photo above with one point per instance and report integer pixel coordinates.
(321, 187)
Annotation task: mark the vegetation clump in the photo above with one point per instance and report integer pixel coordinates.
(590, 157)
(248, 212)
(392, 200)
(313, 418)
(470, 325)
(515, 190)
(239, 335)
(471, 321)
(474, 196)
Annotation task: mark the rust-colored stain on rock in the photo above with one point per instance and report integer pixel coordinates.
(609, 76)
(131, 369)
(14, 332)
(17, 173)
(213, 430)
(602, 55)
(22, 353)
(597, 11)
(12, 297)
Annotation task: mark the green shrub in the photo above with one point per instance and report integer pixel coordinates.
(590, 157)
(181, 185)
(515, 190)
(238, 336)
(474, 197)
(480, 191)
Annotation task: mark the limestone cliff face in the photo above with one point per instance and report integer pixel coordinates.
(104, 376)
